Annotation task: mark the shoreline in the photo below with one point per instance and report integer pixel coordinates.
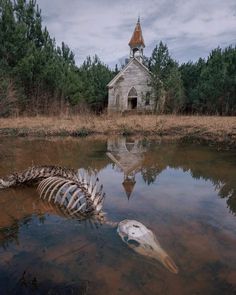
(219, 131)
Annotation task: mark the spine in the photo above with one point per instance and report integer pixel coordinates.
(35, 174)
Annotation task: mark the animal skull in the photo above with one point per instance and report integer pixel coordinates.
(143, 241)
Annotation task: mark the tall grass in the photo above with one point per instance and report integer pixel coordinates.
(128, 124)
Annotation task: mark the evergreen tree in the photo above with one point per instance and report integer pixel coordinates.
(40, 72)
(95, 76)
(210, 85)
(35, 74)
(190, 73)
(166, 81)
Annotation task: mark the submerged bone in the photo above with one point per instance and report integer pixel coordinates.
(143, 241)
(37, 173)
(74, 196)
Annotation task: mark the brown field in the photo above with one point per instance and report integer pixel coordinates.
(207, 128)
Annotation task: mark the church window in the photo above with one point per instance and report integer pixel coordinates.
(147, 100)
(132, 92)
(117, 100)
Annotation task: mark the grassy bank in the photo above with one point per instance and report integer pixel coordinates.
(218, 130)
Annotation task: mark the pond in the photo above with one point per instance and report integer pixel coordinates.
(184, 193)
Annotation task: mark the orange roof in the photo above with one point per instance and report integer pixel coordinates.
(137, 37)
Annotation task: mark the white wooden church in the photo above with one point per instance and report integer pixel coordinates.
(130, 89)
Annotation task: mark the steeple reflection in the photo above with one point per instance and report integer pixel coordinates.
(128, 156)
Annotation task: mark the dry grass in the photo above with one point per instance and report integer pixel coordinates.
(212, 128)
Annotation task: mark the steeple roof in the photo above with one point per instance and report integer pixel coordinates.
(137, 37)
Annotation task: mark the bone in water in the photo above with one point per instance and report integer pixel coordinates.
(143, 241)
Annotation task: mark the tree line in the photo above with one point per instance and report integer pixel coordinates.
(39, 77)
(204, 87)
(36, 75)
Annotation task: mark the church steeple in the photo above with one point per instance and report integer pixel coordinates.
(136, 43)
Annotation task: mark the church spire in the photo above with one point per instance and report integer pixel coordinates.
(136, 42)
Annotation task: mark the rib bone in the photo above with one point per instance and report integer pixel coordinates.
(74, 195)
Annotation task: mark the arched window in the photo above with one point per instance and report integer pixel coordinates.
(117, 102)
(147, 98)
(132, 92)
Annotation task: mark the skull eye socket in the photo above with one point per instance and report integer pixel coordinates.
(133, 243)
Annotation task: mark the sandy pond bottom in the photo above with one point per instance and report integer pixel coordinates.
(185, 194)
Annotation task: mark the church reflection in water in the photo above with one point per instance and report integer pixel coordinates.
(128, 156)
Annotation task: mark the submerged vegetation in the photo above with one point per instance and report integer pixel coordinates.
(39, 77)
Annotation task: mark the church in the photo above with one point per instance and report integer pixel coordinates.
(130, 89)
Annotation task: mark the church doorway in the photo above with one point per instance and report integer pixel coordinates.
(132, 103)
(132, 99)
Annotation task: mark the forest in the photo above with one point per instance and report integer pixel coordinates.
(39, 77)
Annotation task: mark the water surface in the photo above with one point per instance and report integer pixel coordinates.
(186, 194)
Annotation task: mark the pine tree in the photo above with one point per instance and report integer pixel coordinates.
(166, 81)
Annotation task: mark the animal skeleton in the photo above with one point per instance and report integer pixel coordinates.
(80, 197)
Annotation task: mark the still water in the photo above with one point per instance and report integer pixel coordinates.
(186, 194)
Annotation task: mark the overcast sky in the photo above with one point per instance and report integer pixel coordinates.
(191, 28)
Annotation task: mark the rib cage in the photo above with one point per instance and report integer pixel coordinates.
(76, 197)
(64, 187)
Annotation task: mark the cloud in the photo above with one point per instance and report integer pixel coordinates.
(191, 28)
